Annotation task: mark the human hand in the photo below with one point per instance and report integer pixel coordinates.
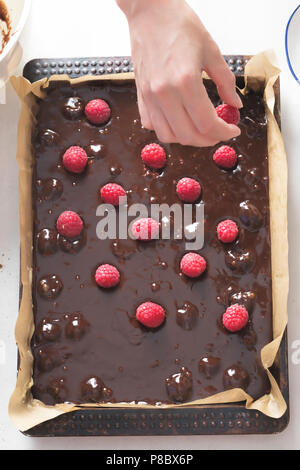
(171, 48)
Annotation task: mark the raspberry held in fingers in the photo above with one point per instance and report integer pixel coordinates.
(229, 114)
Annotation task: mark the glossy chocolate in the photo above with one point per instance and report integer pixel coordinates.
(179, 386)
(110, 357)
(187, 316)
(73, 108)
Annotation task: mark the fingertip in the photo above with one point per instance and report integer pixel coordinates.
(229, 131)
(233, 100)
(236, 131)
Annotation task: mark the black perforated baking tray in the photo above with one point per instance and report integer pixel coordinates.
(231, 419)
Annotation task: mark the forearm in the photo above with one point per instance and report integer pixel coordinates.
(132, 8)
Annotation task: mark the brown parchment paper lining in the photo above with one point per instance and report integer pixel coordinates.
(27, 412)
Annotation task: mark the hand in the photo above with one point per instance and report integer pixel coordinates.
(170, 49)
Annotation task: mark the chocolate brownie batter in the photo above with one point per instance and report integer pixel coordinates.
(5, 26)
(88, 345)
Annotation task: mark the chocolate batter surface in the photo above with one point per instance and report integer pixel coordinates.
(88, 345)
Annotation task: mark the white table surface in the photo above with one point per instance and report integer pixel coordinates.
(98, 28)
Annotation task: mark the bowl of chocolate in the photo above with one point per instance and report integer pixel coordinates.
(13, 17)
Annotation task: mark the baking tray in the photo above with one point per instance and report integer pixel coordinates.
(231, 419)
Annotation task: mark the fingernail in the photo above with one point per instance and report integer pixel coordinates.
(239, 101)
(236, 131)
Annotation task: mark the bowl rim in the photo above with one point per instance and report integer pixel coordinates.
(287, 44)
(16, 34)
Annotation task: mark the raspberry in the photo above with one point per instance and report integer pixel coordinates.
(188, 190)
(75, 160)
(145, 229)
(154, 156)
(193, 265)
(225, 157)
(111, 194)
(107, 276)
(227, 231)
(150, 315)
(235, 318)
(69, 224)
(228, 113)
(97, 111)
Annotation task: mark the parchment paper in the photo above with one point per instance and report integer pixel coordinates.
(27, 412)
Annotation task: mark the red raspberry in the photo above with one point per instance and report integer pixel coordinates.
(154, 156)
(150, 315)
(107, 276)
(188, 190)
(235, 318)
(69, 224)
(227, 231)
(75, 160)
(111, 194)
(97, 111)
(193, 265)
(145, 229)
(229, 114)
(225, 157)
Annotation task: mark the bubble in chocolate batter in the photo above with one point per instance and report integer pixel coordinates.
(246, 298)
(74, 245)
(50, 287)
(47, 241)
(155, 286)
(115, 170)
(107, 393)
(73, 108)
(250, 216)
(51, 189)
(48, 330)
(249, 337)
(123, 249)
(179, 386)
(187, 316)
(58, 390)
(252, 179)
(240, 260)
(47, 359)
(95, 150)
(235, 377)
(77, 326)
(209, 366)
(92, 390)
(163, 265)
(48, 137)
